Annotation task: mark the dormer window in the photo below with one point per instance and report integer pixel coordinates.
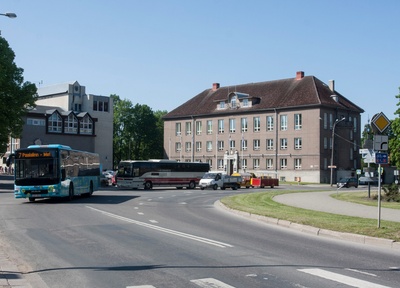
(245, 102)
(222, 105)
(233, 101)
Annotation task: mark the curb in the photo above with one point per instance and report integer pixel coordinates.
(356, 238)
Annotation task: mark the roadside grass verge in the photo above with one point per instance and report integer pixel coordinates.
(262, 203)
(362, 198)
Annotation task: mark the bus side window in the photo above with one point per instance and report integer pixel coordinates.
(63, 175)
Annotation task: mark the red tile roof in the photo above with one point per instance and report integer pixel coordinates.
(306, 92)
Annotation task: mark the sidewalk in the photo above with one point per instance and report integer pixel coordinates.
(321, 201)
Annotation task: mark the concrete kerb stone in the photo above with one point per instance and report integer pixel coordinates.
(361, 239)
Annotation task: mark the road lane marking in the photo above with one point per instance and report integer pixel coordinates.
(210, 283)
(153, 221)
(361, 272)
(354, 282)
(141, 286)
(165, 230)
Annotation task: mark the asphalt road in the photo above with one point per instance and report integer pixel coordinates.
(177, 238)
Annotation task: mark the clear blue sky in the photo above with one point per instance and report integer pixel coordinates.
(163, 52)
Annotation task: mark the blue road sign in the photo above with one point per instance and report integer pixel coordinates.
(381, 158)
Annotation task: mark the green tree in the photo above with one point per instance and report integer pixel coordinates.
(394, 137)
(138, 131)
(16, 96)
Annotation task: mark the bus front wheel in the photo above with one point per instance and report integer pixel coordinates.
(147, 185)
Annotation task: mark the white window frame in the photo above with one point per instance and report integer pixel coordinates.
(256, 144)
(209, 126)
(284, 122)
(55, 123)
(244, 144)
(270, 163)
(232, 125)
(284, 143)
(270, 144)
(209, 146)
(297, 163)
(256, 124)
(270, 123)
(198, 127)
(283, 163)
(178, 129)
(188, 128)
(220, 126)
(256, 163)
(298, 143)
(244, 124)
(198, 146)
(298, 119)
(188, 146)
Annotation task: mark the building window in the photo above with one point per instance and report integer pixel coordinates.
(325, 143)
(256, 163)
(283, 163)
(257, 124)
(71, 124)
(209, 161)
(330, 121)
(35, 122)
(351, 154)
(233, 102)
(178, 146)
(178, 129)
(209, 127)
(243, 122)
(220, 145)
(221, 126)
(188, 146)
(270, 144)
(270, 123)
(232, 144)
(55, 123)
(188, 128)
(100, 105)
(244, 144)
(198, 127)
(297, 121)
(284, 143)
(256, 144)
(284, 122)
(220, 163)
(209, 146)
(245, 102)
(244, 163)
(222, 105)
(297, 143)
(94, 105)
(232, 125)
(355, 124)
(297, 163)
(270, 163)
(198, 146)
(86, 125)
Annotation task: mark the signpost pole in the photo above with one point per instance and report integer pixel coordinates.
(379, 196)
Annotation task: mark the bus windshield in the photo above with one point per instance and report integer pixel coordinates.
(36, 171)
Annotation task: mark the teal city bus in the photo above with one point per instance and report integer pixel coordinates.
(48, 171)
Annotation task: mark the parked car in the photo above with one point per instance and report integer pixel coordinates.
(347, 182)
(370, 180)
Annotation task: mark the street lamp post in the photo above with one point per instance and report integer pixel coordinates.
(333, 145)
(9, 15)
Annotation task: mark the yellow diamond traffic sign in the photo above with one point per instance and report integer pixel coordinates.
(380, 121)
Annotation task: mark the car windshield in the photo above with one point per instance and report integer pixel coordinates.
(209, 176)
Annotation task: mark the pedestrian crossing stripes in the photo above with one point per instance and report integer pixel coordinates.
(204, 283)
(353, 282)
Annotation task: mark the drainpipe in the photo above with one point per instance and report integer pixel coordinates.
(276, 142)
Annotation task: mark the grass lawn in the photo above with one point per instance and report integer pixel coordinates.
(362, 198)
(262, 203)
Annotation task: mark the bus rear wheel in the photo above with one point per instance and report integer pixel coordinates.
(192, 185)
(31, 199)
(148, 185)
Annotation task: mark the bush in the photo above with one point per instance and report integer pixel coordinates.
(391, 193)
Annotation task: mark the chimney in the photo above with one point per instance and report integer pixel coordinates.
(299, 75)
(215, 86)
(332, 85)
